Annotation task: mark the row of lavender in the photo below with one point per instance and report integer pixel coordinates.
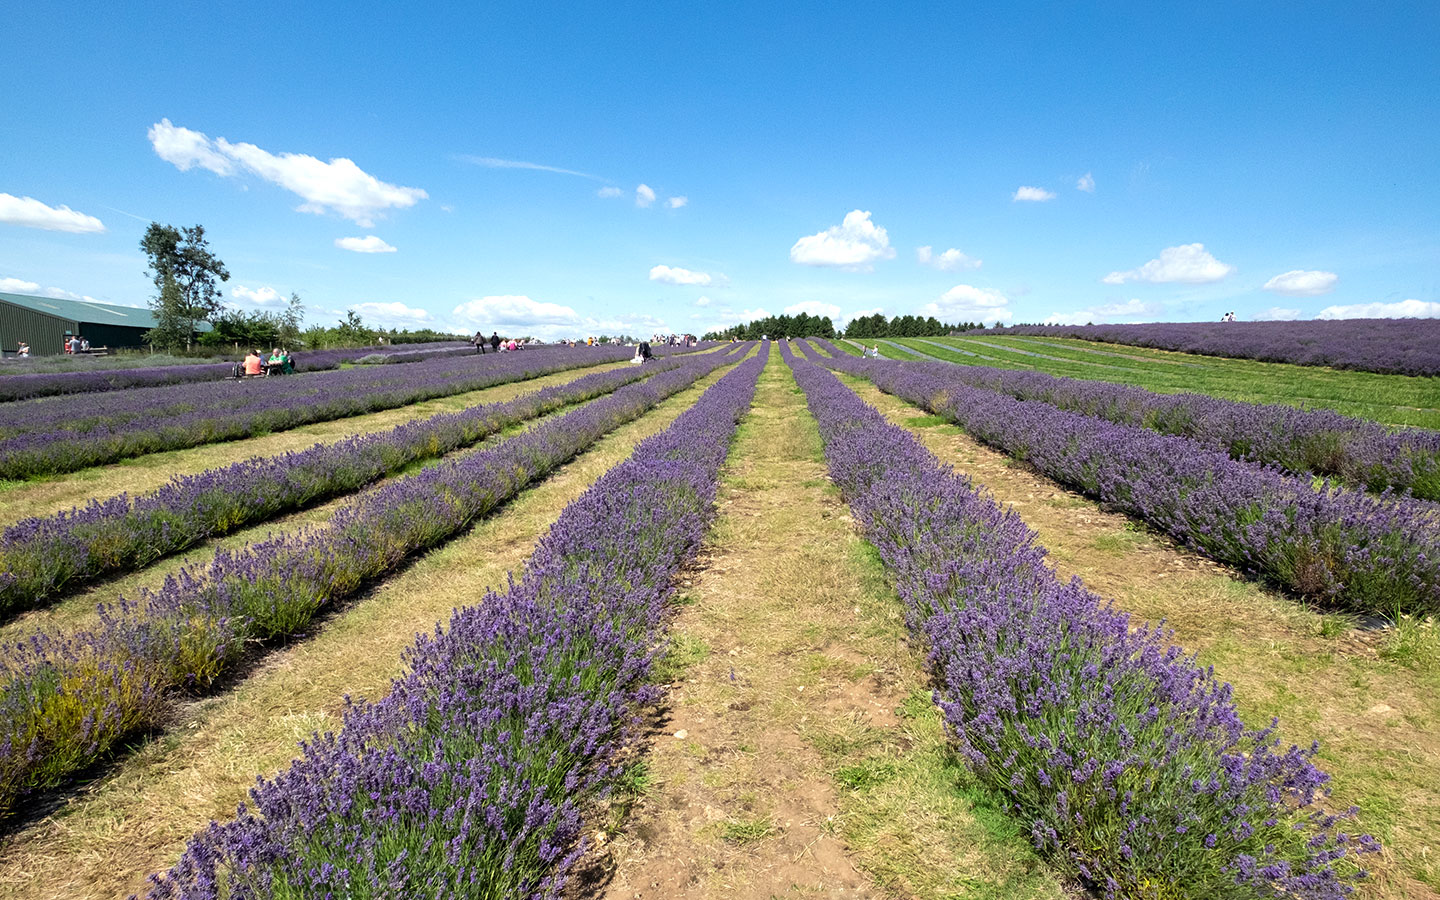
(70, 433)
(1374, 555)
(1126, 761)
(472, 777)
(28, 387)
(1394, 346)
(68, 697)
(1319, 442)
(42, 557)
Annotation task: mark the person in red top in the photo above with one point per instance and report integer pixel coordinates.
(253, 365)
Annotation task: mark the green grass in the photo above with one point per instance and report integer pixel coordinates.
(1391, 399)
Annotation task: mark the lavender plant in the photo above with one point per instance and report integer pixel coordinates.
(1393, 346)
(472, 777)
(63, 434)
(1126, 761)
(1372, 554)
(1303, 442)
(67, 698)
(41, 557)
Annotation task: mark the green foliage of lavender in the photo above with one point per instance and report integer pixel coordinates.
(472, 777)
(1127, 763)
(43, 556)
(67, 698)
(1372, 554)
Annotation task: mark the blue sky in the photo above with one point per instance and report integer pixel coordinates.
(1142, 162)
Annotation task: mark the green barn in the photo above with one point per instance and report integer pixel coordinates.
(47, 323)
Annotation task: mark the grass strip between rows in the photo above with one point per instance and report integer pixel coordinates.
(68, 697)
(473, 776)
(1127, 763)
(1374, 555)
(1302, 441)
(42, 557)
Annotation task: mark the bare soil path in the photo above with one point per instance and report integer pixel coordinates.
(800, 754)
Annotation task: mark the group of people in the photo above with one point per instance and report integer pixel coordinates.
(495, 344)
(1228, 317)
(257, 365)
(73, 344)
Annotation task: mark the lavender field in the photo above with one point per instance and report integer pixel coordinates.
(763, 613)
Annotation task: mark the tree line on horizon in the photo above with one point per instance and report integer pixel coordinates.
(872, 326)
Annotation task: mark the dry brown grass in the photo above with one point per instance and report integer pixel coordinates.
(791, 666)
(1378, 721)
(43, 496)
(108, 837)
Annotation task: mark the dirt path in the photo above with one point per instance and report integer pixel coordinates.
(106, 839)
(1378, 720)
(800, 755)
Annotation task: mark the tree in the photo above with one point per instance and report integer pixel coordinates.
(287, 329)
(185, 274)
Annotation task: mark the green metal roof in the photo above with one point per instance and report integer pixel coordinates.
(83, 311)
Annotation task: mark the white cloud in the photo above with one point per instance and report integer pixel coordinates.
(186, 149)
(855, 244)
(1299, 283)
(964, 301)
(491, 162)
(609, 192)
(703, 301)
(1277, 314)
(337, 186)
(368, 244)
(17, 286)
(1029, 194)
(1404, 309)
(677, 202)
(1086, 183)
(1106, 312)
(393, 315)
(644, 195)
(677, 275)
(266, 298)
(1187, 263)
(949, 261)
(31, 213)
(814, 308)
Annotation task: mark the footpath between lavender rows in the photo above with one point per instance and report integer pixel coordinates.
(797, 752)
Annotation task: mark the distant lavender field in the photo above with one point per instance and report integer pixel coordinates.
(1390, 346)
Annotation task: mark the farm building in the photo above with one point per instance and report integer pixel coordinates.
(45, 323)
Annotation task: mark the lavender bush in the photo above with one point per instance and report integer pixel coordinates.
(1391, 346)
(471, 778)
(66, 698)
(30, 386)
(1303, 442)
(64, 434)
(43, 556)
(1127, 762)
(1372, 554)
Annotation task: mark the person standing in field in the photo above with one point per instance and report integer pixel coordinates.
(495, 341)
(479, 341)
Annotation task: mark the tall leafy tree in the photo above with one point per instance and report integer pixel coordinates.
(187, 275)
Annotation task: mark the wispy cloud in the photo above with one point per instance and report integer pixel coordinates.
(368, 244)
(1086, 183)
(492, 162)
(1300, 283)
(644, 195)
